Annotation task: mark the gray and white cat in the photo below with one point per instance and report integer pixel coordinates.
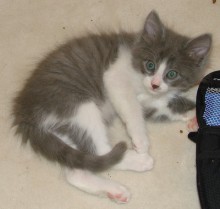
(68, 102)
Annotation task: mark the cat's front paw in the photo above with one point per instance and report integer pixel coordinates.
(192, 124)
(191, 120)
(144, 162)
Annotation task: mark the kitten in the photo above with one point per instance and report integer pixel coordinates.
(68, 102)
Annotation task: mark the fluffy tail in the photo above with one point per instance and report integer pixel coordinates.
(54, 149)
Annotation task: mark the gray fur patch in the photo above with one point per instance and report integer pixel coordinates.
(181, 105)
(149, 112)
(162, 118)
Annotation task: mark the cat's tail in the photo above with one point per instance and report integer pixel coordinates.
(54, 149)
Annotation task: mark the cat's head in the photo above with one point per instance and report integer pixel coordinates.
(168, 60)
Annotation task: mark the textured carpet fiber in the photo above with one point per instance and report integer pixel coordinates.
(28, 30)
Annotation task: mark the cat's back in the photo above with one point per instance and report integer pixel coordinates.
(84, 58)
(93, 52)
(71, 74)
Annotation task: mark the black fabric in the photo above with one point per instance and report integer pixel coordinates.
(207, 140)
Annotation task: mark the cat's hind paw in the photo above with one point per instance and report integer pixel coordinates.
(121, 196)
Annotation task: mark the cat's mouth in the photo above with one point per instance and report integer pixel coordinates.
(153, 91)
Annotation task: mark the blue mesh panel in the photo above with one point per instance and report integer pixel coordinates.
(212, 107)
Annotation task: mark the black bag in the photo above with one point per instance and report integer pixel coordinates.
(207, 140)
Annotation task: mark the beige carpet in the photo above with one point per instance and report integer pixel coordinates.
(28, 30)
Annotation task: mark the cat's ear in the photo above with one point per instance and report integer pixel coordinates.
(153, 27)
(199, 47)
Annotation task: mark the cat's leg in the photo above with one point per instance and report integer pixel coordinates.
(176, 109)
(191, 120)
(89, 182)
(89, 118)
(185, 105)
(85, 127)
(188, 117)
(122, 94)
(131, 114)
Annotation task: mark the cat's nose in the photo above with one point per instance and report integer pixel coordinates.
(154, 86)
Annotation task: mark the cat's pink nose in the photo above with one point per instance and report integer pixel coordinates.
(154, 86)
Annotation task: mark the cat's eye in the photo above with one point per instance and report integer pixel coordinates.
(150, 66)
(172, 74)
